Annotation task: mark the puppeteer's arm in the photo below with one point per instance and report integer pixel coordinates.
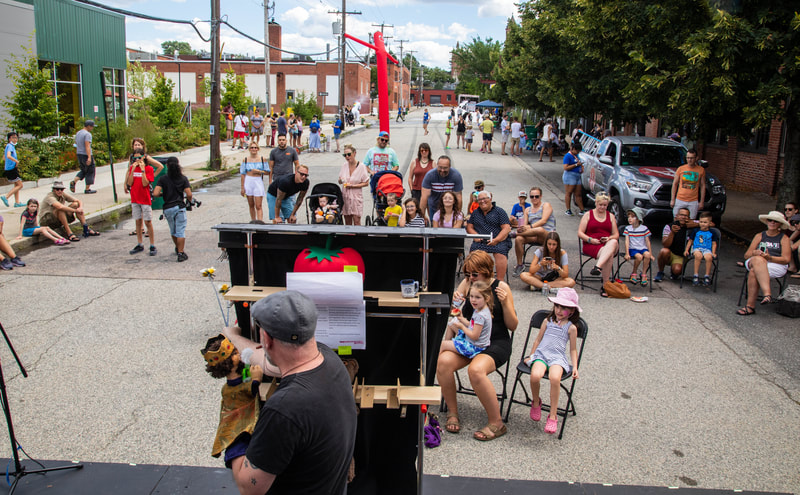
(241, 343)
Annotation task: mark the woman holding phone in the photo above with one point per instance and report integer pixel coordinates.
(550, 265)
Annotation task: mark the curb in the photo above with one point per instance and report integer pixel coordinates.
(104, 215)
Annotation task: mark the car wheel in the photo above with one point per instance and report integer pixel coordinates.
(615, 207)
(587, 203)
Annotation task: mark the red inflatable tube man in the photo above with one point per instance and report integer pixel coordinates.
(383, 85)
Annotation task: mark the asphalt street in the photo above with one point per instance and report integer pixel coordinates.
(677, 391)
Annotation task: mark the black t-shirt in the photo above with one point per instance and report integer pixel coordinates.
(306, 431)
(678, 246)
(172, 192)
(287, 184)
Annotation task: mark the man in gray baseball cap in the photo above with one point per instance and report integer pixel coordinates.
(305, 435)
(86, 163)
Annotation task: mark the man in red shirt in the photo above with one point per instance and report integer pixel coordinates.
(141, 173)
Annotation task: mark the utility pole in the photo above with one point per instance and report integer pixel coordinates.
(342, 56)
(381, 25)
(215, 159)
(266, 53)
(421, 82)
(402, 69)
(410, 71)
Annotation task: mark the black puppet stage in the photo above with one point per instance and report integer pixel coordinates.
(126, 479)
(386, 442)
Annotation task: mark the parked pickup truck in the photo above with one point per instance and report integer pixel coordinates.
(638, 171)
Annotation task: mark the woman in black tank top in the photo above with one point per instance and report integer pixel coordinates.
(480, 266)
(767, 257)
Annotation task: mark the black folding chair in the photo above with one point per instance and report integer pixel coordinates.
(585, 260)
(502, 371)
(621, 262)
(523, 369)
(782, 282)
(714, 263)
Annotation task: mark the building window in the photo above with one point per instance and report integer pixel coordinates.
(756, 142)
(290, 96)
(115, 93)
(66, 79)
(718, 137)
(449, 97)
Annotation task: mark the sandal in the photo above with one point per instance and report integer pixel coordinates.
(490, 432)
(604, 294)
(91, 232)
(74, 238)
(453, 425)
(634, 278)
(767, 300)
(746, 311)
(61, 242)
(644, 280)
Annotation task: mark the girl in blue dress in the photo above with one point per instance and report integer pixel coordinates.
(548, 353)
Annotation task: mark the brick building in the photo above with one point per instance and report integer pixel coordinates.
(446, 97)
(288, 78)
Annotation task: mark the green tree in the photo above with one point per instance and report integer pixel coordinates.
(476, 62)
(234, 91)
(515, 69)
(182, 47)
(304, 105)
(738, 73)
(166, 111)
(32, 106)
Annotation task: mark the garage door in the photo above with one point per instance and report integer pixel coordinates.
(436, 99)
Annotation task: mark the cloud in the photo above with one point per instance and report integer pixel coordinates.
(431, 53)
(497, 8)
(297, 15)
(460, 32)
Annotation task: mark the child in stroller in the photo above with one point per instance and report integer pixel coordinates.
(326, 213)
(382, 184)
(324, 204)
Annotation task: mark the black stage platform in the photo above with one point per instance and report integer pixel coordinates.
(122, 479)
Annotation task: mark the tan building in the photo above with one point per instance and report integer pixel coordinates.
(288, 78)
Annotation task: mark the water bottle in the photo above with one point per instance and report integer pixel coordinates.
(545, 289)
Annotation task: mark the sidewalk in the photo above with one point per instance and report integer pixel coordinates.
(101, 207)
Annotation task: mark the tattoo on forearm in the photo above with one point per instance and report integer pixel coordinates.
(246, 464)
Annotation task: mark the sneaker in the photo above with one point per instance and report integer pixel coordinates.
(20, 205)
(659, 277)
(72, 186)
(518, 269)
(182, 257)
(568, 213)
(16, 261)
(582, 213)
(6, 264)
(552, 426)
(672, 276)
(695, 280)
(90, 191)
(706, 280)
(137, 249)
(153, 251)
(4, 199)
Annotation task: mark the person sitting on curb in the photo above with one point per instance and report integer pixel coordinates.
(59, 209)
(10, 260)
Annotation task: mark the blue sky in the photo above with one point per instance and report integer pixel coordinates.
(432, 27)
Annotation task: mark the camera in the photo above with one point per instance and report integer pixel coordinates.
(190, 204)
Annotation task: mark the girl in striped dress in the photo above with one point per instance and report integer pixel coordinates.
(548, 353)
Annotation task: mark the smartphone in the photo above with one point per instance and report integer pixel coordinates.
(548, 258)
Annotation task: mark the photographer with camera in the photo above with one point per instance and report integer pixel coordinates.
(141, 173)
(173, 187)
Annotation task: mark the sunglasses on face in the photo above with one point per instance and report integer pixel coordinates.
(534, 196)
(383, 140)
(302, 174)
(472, 274)
(346, 155)
(254, 148)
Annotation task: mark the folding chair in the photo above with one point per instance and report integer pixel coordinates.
(501, 371)
(584, 260)
(621, 261)
(523, 369)
(782, 282)
(528, 247)
(714, 263)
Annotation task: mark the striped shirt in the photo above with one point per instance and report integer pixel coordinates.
(637, 236)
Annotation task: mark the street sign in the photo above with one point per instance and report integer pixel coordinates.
(323, 93)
